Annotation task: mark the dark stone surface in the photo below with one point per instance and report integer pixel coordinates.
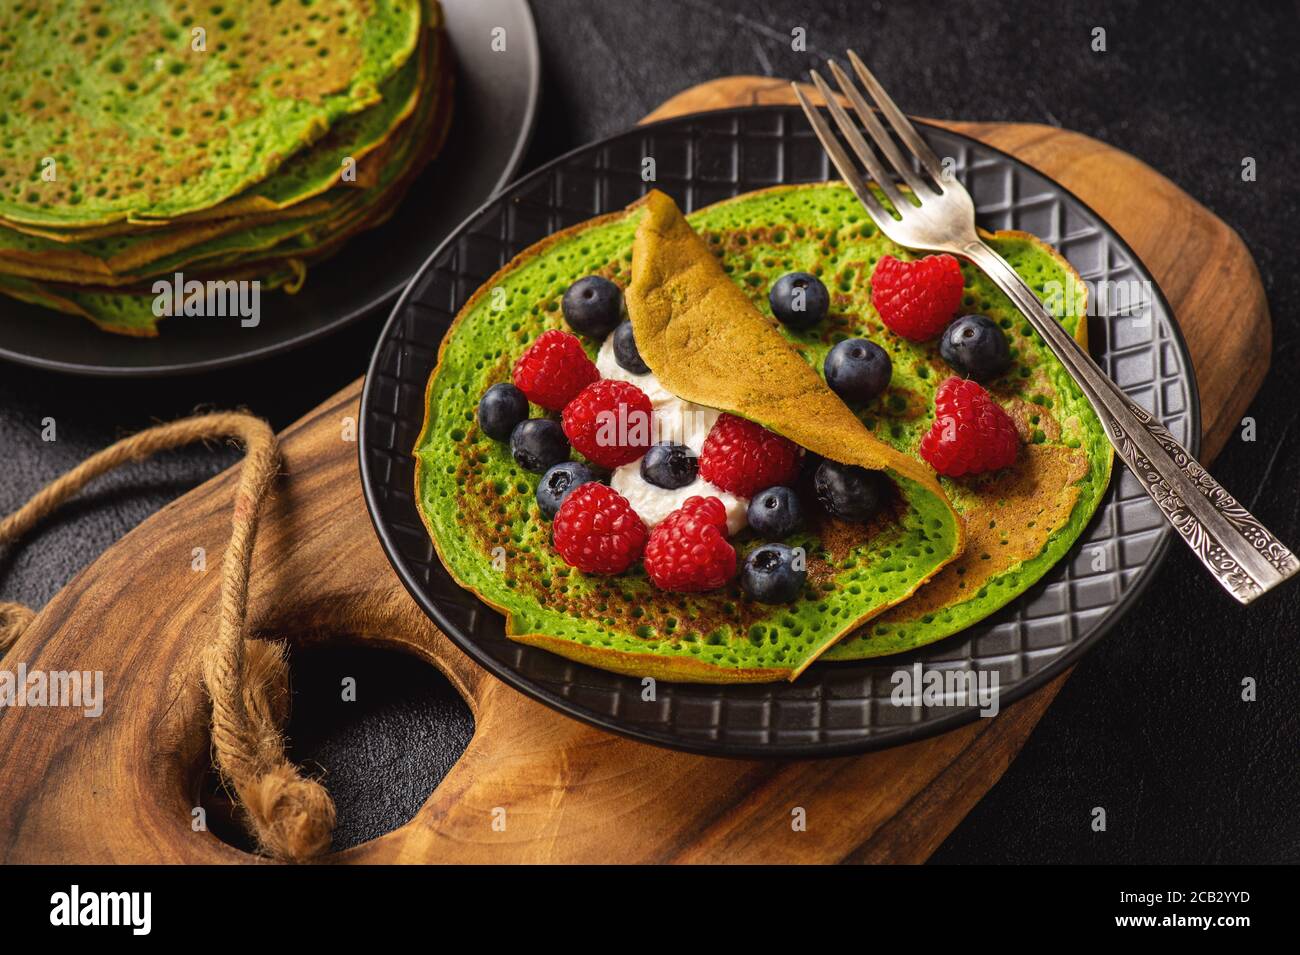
(382, 742)
(1151, 726)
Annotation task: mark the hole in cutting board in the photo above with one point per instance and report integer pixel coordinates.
(381, 756)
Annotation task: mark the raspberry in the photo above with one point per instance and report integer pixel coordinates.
(917, 299)
(971, 433)
(597, 531)
(688, 551)
(609, 422)
(553, 369)
(744, 458)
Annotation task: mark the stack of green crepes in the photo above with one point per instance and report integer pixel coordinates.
(229, 140)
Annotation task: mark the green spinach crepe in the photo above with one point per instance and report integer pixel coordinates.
(718, 346)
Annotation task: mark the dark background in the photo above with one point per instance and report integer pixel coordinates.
(1151, 725)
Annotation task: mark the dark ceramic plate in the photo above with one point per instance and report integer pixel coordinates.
(834, 708)
(496, 100)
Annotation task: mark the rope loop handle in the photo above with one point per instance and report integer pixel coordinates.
(291, 816)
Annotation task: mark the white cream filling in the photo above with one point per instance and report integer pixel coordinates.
(678, 421)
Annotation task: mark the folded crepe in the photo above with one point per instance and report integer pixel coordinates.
(696, 291)
(708, 343)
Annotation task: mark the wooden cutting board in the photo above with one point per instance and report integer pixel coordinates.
(122, 787)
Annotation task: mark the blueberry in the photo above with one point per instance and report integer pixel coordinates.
(501, 408)
(557, 483)
(849, 492)
(669, 465)
(538, 443)
(774, 573)
(775, 513)
(799, 299)
(593, 306)
(975, 347)
(857, 370)
(625, 353)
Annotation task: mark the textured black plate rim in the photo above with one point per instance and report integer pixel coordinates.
(884, 739)
(378, 301)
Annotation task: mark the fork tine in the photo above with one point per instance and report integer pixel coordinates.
(901, 124)
(840, 158)
(882, 139)
(864, 152)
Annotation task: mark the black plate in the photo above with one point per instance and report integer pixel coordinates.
(834, 708)
(496, 105)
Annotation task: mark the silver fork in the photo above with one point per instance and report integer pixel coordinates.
(1244, 557)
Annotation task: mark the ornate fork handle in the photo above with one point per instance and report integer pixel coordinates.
(1245, 557)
